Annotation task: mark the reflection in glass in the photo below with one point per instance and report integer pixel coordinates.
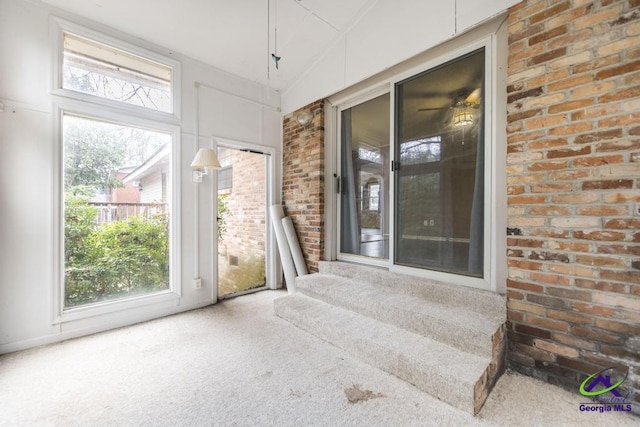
(440, 184)
(364, 220)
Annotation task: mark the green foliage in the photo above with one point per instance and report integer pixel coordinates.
(79, 226)
(119, 259)
(92, 154)
(223, 213)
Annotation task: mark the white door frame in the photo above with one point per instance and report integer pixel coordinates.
(271, 265)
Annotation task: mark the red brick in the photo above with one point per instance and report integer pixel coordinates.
(595, 335)
(569, 316)
(576, 198)
(619, 249)
(534, 332)
(593, 309)
(614, 326)
(525, 265)
(599, 235)
(601, 286)
(518, 200)
(572, 129)
(550, 210)
(600, 261)
(527, 243)
(546, 166)
(547, 56)
(529, 287)
(620, 95)
(619, 70)
(554, 154)
(547, 35)
(546, 323)
(552, 279)
(549, 12)
(621, 276)
(598, 136)
(602, 210)
(598, 161)
(607, 184)
(554, 348)
(574, 342)
(623, 223)
(570, 105)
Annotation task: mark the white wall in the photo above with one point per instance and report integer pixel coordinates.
(390, 32)
(28, 175)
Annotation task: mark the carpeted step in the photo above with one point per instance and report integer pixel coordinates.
(490, 305)
(453, 325)
(450, 374)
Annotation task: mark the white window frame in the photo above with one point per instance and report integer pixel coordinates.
(492, 37)
(100, 109)
(60, 26)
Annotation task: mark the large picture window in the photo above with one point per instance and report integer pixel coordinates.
(116, 210)
(117, 158)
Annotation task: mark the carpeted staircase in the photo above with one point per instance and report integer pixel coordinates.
(448, 341)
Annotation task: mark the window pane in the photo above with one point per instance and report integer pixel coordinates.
(117, 198)
(440, 185)
(364, 216)
(97, 69)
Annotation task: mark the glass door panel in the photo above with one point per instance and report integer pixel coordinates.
(439, 185)
(364, 192)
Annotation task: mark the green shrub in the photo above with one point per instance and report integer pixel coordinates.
(122, 258)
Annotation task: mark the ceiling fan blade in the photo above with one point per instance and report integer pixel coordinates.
(432, 109)
(474, 97)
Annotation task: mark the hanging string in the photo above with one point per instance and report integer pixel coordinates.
(268, 40)
(274, 55)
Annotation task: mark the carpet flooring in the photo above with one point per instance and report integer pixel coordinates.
(236, 364)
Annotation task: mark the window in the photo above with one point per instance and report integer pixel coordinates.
(118, 172)
(100, 69)
(114, 249)
(225, 178)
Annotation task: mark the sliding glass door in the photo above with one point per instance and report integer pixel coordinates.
(430, 180)
(364, 192)
(439, 174)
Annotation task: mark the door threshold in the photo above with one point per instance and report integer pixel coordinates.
(241, 293)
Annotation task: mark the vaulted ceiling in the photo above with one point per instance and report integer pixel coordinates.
(237, 36)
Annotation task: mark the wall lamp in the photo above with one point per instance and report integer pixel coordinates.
(304, 118)
(205, 160)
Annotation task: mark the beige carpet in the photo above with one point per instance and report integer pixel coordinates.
(238, 364)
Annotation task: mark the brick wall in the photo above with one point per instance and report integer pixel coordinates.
(303, 180)
(574, 189)
(245, 235)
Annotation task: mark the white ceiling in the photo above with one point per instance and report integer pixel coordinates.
(231, 34)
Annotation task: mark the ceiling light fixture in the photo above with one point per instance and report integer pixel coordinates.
(304, 118)
(462, 115)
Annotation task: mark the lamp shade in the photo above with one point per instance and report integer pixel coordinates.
(206, 158)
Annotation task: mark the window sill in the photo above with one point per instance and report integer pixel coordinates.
(108, 307)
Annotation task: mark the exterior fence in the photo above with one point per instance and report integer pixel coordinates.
(110, 212)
